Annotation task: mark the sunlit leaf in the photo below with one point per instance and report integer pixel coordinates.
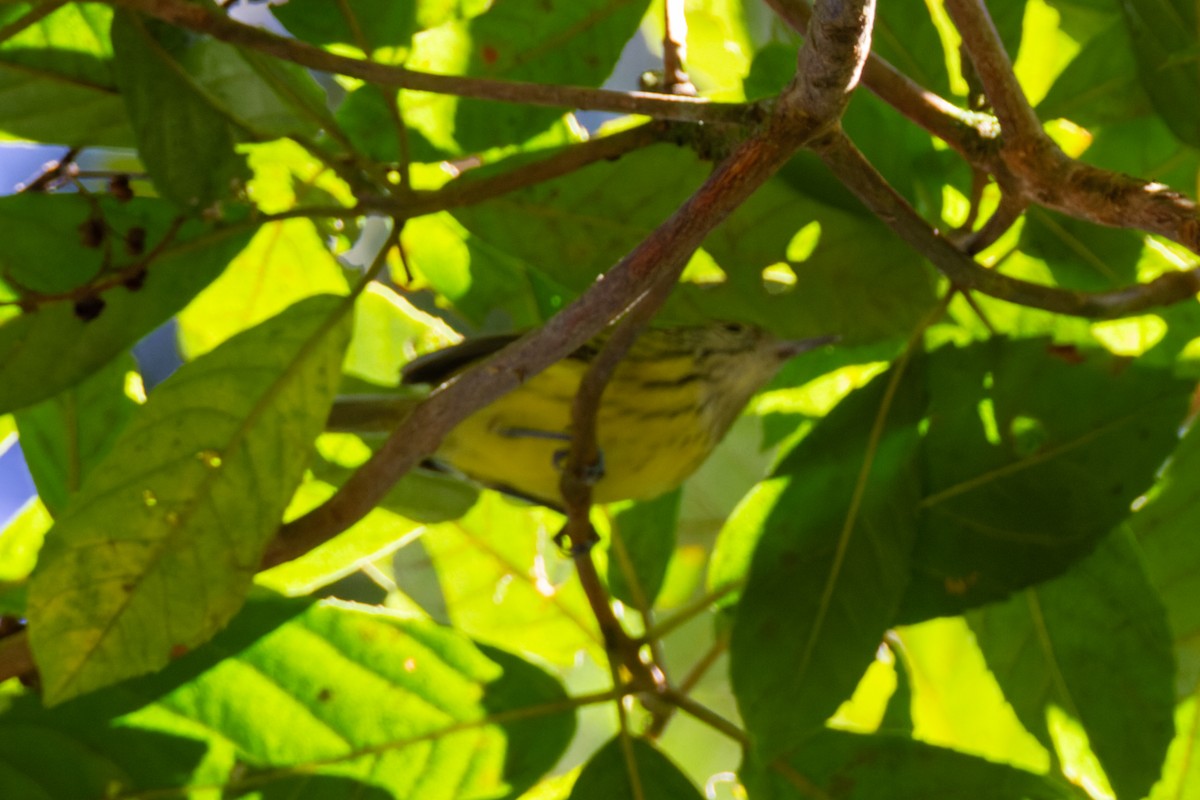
(158, 549)
(507, 583)
(1095, 643)
(356, 700)
(284, 263)
(956, 702)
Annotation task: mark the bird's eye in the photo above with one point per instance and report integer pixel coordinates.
(735, 327)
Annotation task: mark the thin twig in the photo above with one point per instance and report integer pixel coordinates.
(674, 43)
(107, 280)
(707, 716)
(52, 172)
(692, 610)
(31, 17)
(1007, 213)
(800, 781)
(694, 676)
(470, 190)
(199, 18)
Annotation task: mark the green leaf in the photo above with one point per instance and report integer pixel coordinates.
(487, 286)
(63, 438)
(1081, 255)
(847, 247)
(363, 24)
(853, 767)
(1166, 47)
(956, 701)
(643, 540)
(1095, 643)
(65, 338)
(158, 549)
(1100, 84)
(55, 243)
(1075, 435)
(1165, 528)
(574, 228)
(186, 143)
(21, 539)
(834, 528)
(908, 39)
(284, 263)
(388, 333)
(367, 118)
(573, 42)
(1181, 772)
(640, 773)
(432, 695)
(267, 97)
(353, 699)
(56, 77)
(506, 583)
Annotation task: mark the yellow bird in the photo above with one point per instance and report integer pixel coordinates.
(670, 401)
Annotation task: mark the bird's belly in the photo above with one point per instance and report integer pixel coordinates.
(518, 444)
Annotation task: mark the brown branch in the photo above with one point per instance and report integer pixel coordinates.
(1002, 219)
(858, 175)
(968, 132)
(835, 49)
(470, 190)
(1035, 167)
(982, 42)
(199, 18)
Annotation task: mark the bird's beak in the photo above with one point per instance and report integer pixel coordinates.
(790, 348)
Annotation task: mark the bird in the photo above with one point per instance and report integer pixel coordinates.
(671, 399)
